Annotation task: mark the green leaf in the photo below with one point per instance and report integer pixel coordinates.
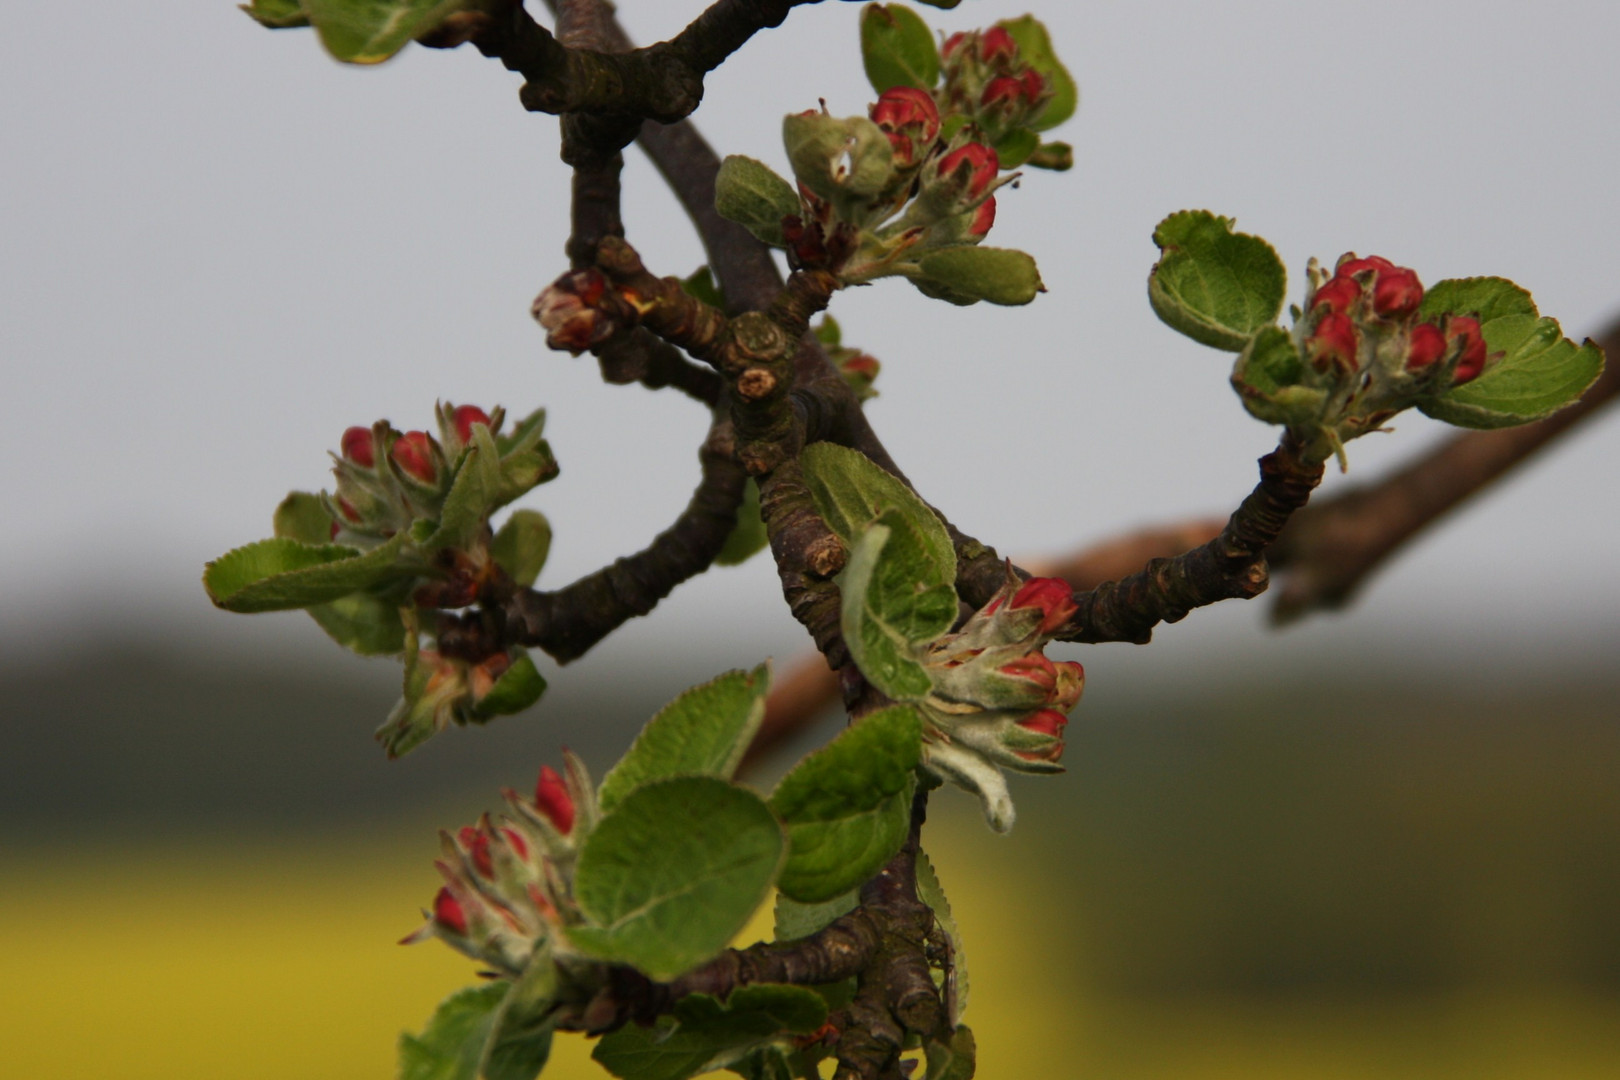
(370, 31)
(847, 806)
(930, 893)
(277, 14)
(522, 471)
(897, 48)
(851, 491)
(1214, 285)
(282, 574)
(519, 1043)
(363, 623)
(884, 654)
(518, 687)
(1057, 156)
(845, 160)
(525, 434)
(749, 537)
(1540, 372)
(472, 495)
(828, 332)
(1484, 298)
(1267, 377)
(751, 194)
(773, 1061)
(521, 546)
(795, 920)
(452, 1044)
(674, 872)
(706, 1034)
(303, 517)
(969, 274)
(1035, 47)
(703, 732)
(956, 1061)
(1015, 147)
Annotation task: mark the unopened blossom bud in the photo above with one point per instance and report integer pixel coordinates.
(1071, 681)
(1035, 668)
(447, 912)
(350, 514)
(1397, 292)
(984, 216)
(515, 841)
(909, 117)
(465, 417)
(1472, 361)
(1333, 344)
(1045, 722)
(476, 841)
(413, 453)
(1003, 91)
(1034, 85)
(551, 798)
(1337, 295)
(974, 160)
(570, 310)
(1425, 346)
(1349, 265)
(358, 448)
(952, 43)
(1051, 596)
(996, 44)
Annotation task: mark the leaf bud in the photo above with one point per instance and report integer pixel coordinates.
(358, 447)
(1472, 361)
(1052, 597)
(1425, 346)
(1337, 295)
(415, 455)
(551, 798)
(1071, 682)
(1396, 292)
(1332, 346)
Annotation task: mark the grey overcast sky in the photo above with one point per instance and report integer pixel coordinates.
(218, 248)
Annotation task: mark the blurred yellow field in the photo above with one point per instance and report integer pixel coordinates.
(262, 961)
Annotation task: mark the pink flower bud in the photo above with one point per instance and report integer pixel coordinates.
(515, 841)
(1052, 596)
(1472, 361)
(996, 44)
(1424, 347)
(976, 161)
(1034, 85)
(906, 108)
(357, 447)
(983, 217)
(1337, 295)
(448, 914)
(1349, 265)
(1045, 722)
(465, 417)
(551, 798)
(1397, 292)
(1333, 344)
(413, 453)
(476, 841)
(1004, 91)
(346, 508)
(1034, 667)
(952, 43)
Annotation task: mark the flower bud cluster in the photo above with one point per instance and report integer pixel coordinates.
(509, 882)
(995, 693)
(580, 310)
(988, 81)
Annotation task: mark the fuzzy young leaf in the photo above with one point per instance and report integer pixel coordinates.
(930, 893)
(282, 574)
(704, 732)
(370, 31)
(303, 517)
(674, 872)
(897, 48)
(519, 686)
(521, 545)
(887, 653)
(749, 537)
(1035, 48)
(750, 193)
(452, 1044)
(519, 1042)
(795, 920)
(1540, 371)
(967, 274)
(1214, 285)
(525, 435)
(838, 159)
(473, 494)
(706, 1034)
(277, 14)
(848, 805)
(851, 491)
(1267, 378)
(362, 623)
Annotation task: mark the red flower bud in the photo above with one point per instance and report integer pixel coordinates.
(975, 160)
(465, 417)
(346, 508)
(1045, 722)
(476, 841)
(906, 107)
(1424, 347)
(413, 453)
(1035, 667)
(983, 217)
(1034, 85)
(1349, 265)
(357, 447)
(1052, 596)
(1396, 292)
(515, 840)
(996, 44)
(1337, 295)
(1004, 90)
(448, 914)
(551, 798)
(1333, 344)
(1472, 361)
(952, 43)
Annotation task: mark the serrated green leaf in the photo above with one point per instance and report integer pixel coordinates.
(303, 517)
(897, 48)
(1015, 147)
(750, 193)
(795, 920)
(969, 274)
(1214, 285)
(748, 537)
(521, 546)
(1540, 372)
(1267, 378)
(277, 14)
(703, 732)
(519, 686)
(363, 623)
(1035, 48)
(705, 1034)
(930, 893)
(371, 31)
(851, 491)
(281, 574)
(1484, 298)
(847, 806)
(674, 872)
(887, 654)
(452, 1044)
(473, 494)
